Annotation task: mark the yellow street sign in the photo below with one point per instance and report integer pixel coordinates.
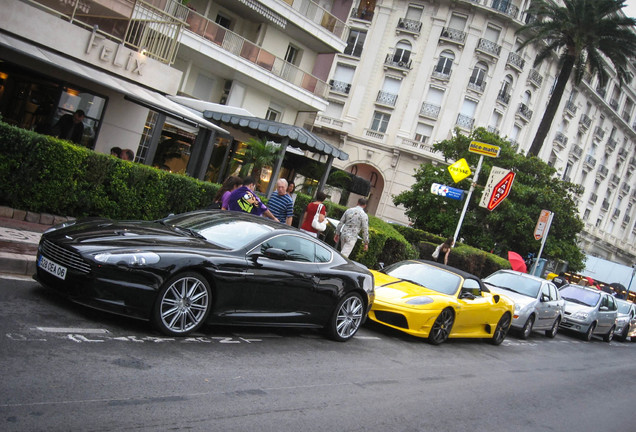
(459, 170)
(484, 149)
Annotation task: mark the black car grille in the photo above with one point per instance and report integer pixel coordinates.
(392, 318)
(64, 257)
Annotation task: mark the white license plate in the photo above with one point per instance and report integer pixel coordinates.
(51, 267)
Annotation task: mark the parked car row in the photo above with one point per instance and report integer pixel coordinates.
(219, 267)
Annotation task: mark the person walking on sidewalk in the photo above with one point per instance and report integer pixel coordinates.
(351, 223)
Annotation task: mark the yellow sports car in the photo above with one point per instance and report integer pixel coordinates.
(436, 301)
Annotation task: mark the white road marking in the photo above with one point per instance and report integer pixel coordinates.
(72, 330)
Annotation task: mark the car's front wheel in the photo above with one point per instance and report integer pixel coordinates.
(610, 334)
(555, 328)
(183, 304)
(623, 336)
(501, 330)
(527, 327)
(441, 327)
(590, 331)
(346, 318)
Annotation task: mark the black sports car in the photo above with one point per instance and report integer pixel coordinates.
(215, 267)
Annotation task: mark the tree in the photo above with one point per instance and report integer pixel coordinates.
(511, 225)
(258, 154)
(586, 33)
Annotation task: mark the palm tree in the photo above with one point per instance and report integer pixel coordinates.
(586, 33)
(258, 154)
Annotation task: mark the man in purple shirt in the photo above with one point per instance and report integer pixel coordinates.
(245, 200)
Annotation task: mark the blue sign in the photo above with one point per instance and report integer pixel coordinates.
(447, 191)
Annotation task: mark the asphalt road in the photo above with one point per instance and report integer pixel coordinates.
(67, 368)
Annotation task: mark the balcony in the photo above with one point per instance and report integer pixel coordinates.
(605, 205)
(493, 130)
(441, 75)
(362, 14)
(153, 26)
(622, 154)
(465, 122)
(610, 146)
(318, 15)
(418, 147)
(477, 87)
(503, 97)
(592, 199)
(515, 61)
(614, 180)
(627, 114)
(589, 162)
(488, 47)
(386, 99)
(601, 92)
(584, 123)
(602, 171)
(340, 87)
(632, 163)
(535, 78)
(453, 35)
(614, 104)
(238, 46)
(570, 109)
(626, 220)
(577, 151)
(616, 214)
(599, 133)
(505, 8)
(625, 188)
(561, 140)
(430, 110)
(409, 26)
(402, 65)
(524, 112)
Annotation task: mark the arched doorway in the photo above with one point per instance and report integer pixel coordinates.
(370, 173)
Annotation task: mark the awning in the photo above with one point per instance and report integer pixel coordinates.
(298, 136)
(133, 92)
(201, 106)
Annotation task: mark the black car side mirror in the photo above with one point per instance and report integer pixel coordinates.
(275, 254)
(544, 298)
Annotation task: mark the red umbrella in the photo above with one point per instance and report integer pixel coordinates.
(517, 262)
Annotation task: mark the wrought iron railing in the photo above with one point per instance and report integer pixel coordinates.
(535, 78)
(465, 121)
(430, 110)
(516, 61)
(363, 14)
(585, 121)
(453, 34)
(505, 7)
(489, 47)
(409, 25)
(603, 171)
(503, 97)
(340, 87)
(525, 111)
(386, 98)
(392, 62)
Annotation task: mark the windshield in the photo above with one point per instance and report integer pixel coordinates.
(580, 295)
(430, 277)
(220, 228)
(514, 282)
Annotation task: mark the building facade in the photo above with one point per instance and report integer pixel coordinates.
(413, 71)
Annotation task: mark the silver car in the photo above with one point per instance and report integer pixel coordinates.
(626, 321)
(589, 311)
(538, 304)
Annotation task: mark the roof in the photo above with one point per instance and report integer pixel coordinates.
(298, 136)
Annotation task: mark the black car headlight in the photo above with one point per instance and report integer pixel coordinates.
(128, 258)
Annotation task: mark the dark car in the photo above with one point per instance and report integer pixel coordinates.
(215, 267)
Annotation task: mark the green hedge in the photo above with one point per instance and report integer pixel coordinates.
(43, 174)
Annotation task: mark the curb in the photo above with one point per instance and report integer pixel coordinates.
(17, 264)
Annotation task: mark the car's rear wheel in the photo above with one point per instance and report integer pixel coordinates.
(590, 331)
(554, 329)
(610, 334)
(346, 318)
(441, 327)
(527, 327)
(501, 330)
(183, 304)
(623, 336)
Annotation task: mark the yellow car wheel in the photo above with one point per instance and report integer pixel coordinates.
(442, 327)
(501, 330)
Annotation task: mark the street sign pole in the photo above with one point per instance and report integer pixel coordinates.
(545, 232)
(470, 193)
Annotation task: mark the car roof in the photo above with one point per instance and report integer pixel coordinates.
(585, 288)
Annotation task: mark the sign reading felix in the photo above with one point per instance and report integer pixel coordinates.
(497, 188)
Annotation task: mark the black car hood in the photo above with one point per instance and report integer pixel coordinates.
(92, 236)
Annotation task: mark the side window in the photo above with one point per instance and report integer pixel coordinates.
(471, 286)
(545, 292)
(297, 248)
(554, 292)
(322, 254)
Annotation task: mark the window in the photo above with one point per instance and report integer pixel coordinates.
(380, 121)
(478, 77)
(414, 13)
(355, 42)
(297, 248)
(223, 21)
(445, 63)
(457, 22)
(402, 52)
(342, 78)
(423, 132)
(273, 114)
(292, 55)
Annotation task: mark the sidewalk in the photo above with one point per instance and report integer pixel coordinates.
(20, 233)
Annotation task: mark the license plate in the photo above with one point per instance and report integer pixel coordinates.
(52, 267)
